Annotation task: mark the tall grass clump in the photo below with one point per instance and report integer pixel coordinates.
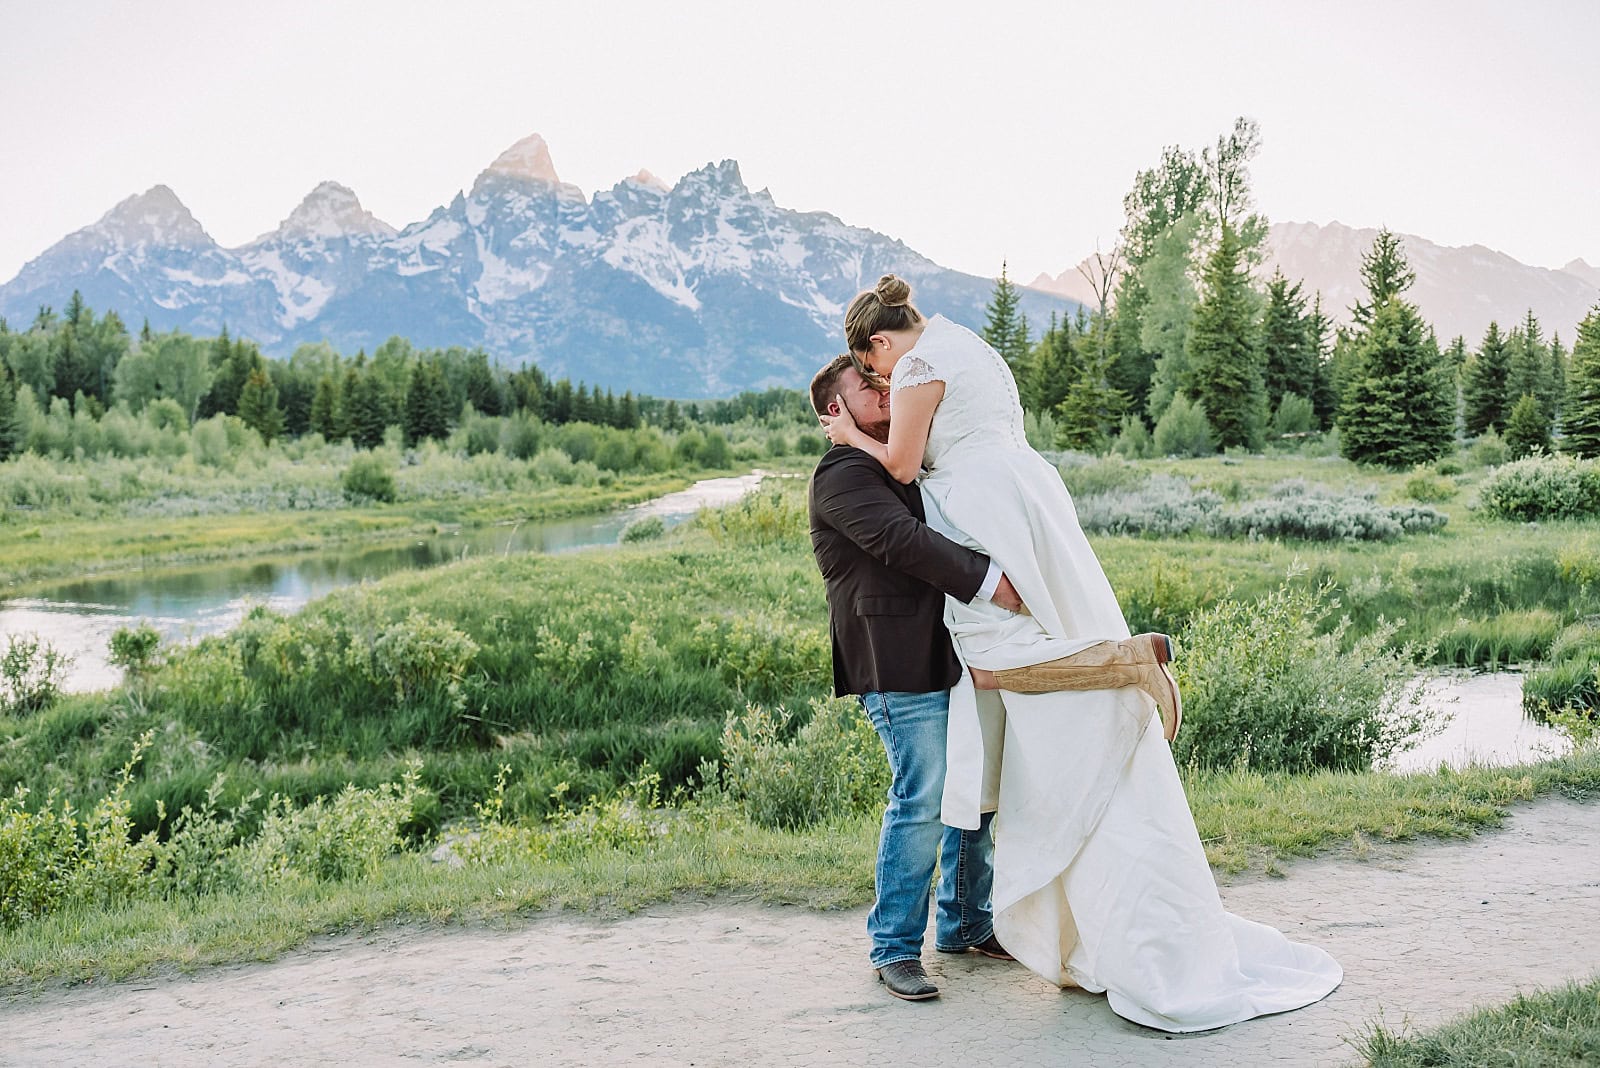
(789, 779)
(1267, 687)
(1541, 487)
(32, 672)
(1569, 678)
(1508, 637)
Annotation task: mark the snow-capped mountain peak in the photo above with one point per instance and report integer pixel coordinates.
(154, 217)
(650, 181)
(528, 158)
(331, 211)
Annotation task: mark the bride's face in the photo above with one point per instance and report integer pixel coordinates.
(886, 351)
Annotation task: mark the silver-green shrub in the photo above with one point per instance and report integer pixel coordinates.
(1543, 487)
(1166, 506)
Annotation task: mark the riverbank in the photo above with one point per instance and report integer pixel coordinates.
(35, 553)
(692, 981)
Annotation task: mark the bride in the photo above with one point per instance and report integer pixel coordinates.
(1100, 878)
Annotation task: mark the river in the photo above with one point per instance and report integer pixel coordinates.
(189, 602)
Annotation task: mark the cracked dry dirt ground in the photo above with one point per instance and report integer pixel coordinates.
(1425, 934)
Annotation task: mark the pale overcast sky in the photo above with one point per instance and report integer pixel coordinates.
(972, 131)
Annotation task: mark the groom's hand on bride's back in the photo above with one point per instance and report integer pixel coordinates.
(1006, 596)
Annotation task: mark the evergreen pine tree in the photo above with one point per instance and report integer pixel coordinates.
(427, 407)
(1053, 368)
(8, 413)
(1004, 327)
(483, 392)
(325, 408)
(258, 405)
(1324, 395)
(1580, 413)
(1556, 375)
(1090, 410)
(1484, 385)
(1527, 428)
(1398, 407)
(1224, 349)
(366, 410)
(628, 415)
(1289, 362)
(1529, 370)
(1385, 273)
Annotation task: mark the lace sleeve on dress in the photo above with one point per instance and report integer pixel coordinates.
(913, 371)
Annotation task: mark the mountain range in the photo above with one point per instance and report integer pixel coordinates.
(698, 289)
(1459, 290)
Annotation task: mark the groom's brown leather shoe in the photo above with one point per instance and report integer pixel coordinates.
(907, 980)
(989, 947)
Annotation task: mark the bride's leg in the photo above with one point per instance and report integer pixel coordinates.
(1140, 661)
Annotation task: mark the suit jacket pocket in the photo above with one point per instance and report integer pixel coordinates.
(886, 606)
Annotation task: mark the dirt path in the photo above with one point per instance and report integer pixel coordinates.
(1422, 936)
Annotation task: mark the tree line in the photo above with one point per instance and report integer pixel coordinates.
(81, 366)
(1185, 351)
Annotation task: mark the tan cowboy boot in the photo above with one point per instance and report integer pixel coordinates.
(1137, 661)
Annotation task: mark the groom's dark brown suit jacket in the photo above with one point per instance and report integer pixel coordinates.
(886, 574)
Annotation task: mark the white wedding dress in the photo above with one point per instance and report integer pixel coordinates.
(1100, 878)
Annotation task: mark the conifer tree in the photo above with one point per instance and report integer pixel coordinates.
(483, 392)
(1290, 362)
(1005, 328)
(366, 410)
(1225, 350)
(1052, 369)
(8, 412)
(1398, 407)
(1527, 428)
(258, 405)
(1090, 410)
(325, 408)
(1385, 272)
(1324, 394)
(1580, 413)
(1556, 375)
(1485, 383)
(427, 410)
(1529, 370)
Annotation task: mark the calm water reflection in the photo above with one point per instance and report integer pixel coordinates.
(1486, 725)
(78, 618)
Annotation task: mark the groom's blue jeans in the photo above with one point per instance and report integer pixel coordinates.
(912, 729)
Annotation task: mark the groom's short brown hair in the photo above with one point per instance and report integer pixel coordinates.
(824, 387)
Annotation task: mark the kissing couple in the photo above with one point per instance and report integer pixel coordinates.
(1027, 733)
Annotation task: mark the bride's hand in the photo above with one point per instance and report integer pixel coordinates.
(840, 428)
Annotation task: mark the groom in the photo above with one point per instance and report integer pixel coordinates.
(886, 574)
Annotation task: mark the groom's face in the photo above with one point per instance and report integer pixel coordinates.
(868, 407)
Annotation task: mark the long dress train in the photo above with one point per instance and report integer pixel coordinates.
(1100, 877)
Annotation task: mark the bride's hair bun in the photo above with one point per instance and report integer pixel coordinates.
(892, 292)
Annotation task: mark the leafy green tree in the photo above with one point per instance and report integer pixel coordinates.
(1227, 200)
(1580, 419)
(258, 405)
(1398, 407)
(175, 366)
(1485, 384)
(1005, 327)
(1527, 428)
(1183, 430)
(1224, 349)
(1168, 314)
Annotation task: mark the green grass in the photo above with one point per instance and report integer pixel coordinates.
(1250, 823)
(1557, 1028)
(35, 551)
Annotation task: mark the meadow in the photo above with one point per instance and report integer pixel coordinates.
(604, 729)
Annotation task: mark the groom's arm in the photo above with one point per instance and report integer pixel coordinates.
(852, 497)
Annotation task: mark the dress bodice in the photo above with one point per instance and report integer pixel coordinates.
(980, 409)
